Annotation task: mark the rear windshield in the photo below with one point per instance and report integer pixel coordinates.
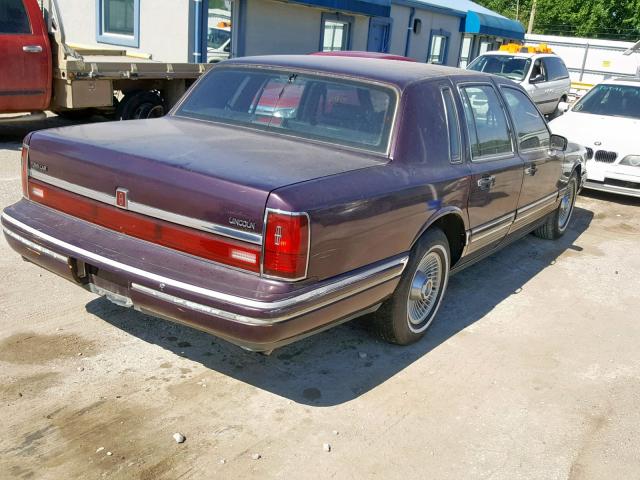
(339, 111)
(507, 66)
(614, 100)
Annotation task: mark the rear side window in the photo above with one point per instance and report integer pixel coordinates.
(531, 129)
(453, 126)
(13, 17)
(486, 123)
(555, 68)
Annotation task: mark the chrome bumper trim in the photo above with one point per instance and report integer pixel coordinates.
(397, 266)
(142, 209)
(35, 246)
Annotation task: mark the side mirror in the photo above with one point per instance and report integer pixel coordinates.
(563, 107)
(558, 142)
(537, 79)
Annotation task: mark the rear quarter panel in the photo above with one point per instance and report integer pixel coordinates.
(367, 215)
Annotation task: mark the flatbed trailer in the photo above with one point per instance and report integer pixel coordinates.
(80, 80)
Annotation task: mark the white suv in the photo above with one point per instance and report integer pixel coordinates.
(543, 75)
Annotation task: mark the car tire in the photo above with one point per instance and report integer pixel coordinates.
(404, 318)
(140, 104)
(556, 113)
(558, 221)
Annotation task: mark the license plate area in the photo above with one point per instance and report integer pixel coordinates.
(101, 282)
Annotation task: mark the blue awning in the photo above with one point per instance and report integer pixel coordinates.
(485, 24)
(373, 8)
(475, 18)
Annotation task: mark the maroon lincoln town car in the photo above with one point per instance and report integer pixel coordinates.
(287, 194)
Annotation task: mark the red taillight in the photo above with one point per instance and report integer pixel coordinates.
(286, 245)
(223, 250)
(25, 169)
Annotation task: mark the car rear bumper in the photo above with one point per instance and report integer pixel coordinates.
(243, 308)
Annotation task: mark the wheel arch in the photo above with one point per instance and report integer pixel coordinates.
(451, 221)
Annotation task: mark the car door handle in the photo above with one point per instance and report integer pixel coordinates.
(486, 182)
(531, 170)
(32, 48)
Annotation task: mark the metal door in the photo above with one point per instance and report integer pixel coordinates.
(379, 30)
(542, 166)
(497, 171)
(25, 57)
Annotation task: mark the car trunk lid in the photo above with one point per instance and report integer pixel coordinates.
(195, 170)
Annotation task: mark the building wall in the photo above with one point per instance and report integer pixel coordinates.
(279, 28)
(419, 43)
(165, 31)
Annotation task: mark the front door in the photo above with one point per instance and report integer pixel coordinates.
(378, 35)
(541, 93)
(25, 57)
(496, 170)
(542, 167)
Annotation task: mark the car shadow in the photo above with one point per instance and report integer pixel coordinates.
(14, 132)
(345, 362)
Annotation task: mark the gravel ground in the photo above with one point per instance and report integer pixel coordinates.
(531, 371)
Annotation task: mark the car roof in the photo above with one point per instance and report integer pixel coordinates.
(521, 54)
(358, 53)
(395, 72)
(630, 81)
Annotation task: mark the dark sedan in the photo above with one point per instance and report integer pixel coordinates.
(287, 194)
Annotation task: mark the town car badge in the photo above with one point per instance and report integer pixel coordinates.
(122, 197)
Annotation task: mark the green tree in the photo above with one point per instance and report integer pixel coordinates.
(613, 19)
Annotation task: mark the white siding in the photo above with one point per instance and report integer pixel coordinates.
(419, 44)
(164, 27)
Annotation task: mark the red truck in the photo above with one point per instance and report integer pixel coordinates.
(40, 71)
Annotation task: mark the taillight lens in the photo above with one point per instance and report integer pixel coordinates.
(25, 169)
(205, 245)
(286, 245)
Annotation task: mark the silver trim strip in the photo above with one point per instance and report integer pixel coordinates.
(537, 208)
(248, 320)
(491, 227)
(227, 298)
(136, 207)
(493, 231)
(35, 246)
(541, 203)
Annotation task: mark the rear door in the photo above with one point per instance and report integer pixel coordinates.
(496, 169)
(25, 57)
(542, 167)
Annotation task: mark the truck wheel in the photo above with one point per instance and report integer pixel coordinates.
(404, 318)
(140, 104)
(558, 221)
(79, 114)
